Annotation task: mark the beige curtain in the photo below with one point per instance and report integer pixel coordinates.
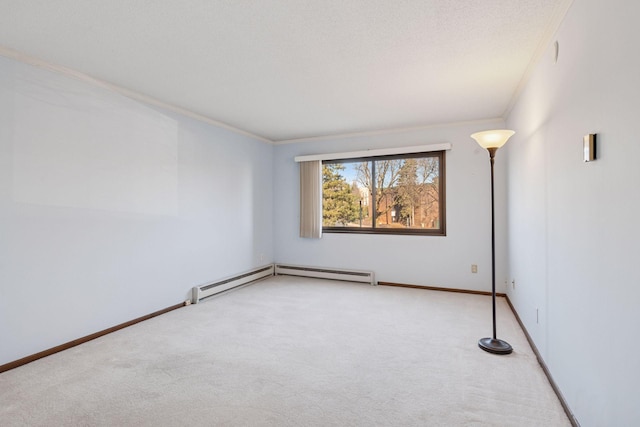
(311, 199)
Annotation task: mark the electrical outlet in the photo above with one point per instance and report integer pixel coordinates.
(261, 258)
(474, 268)
(513, 284)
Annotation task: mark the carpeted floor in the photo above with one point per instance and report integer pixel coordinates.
(294, 352)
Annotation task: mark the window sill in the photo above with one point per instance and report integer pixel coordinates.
(384, 231)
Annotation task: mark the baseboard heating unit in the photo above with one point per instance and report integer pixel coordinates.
(326, 273)
(205, 291)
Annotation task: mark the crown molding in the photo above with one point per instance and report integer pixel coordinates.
(30, 60)
(388, 131)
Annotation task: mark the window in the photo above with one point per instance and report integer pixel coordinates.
(397, 194)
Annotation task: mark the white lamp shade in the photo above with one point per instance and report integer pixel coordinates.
(492, 138)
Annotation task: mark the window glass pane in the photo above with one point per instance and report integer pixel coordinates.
(415, 194)
(363, 184)
(387, 173)
(345, 196)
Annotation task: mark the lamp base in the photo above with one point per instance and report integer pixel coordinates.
(495, 346)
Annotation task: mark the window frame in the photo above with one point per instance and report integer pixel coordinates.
(441, 231)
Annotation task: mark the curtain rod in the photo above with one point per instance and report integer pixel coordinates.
(374, 153)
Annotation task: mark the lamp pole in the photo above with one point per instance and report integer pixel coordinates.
(492, 140)
(492, 155)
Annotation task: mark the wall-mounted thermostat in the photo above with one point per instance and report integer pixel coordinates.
(589, 145)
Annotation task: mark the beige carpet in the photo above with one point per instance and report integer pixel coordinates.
(294, 352)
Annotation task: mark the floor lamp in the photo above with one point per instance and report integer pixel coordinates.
(491, 140)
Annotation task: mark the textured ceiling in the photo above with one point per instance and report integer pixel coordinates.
(288, 69)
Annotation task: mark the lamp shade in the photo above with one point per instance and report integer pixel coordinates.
(492, 138)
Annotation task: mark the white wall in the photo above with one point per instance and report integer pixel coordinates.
(110, 209)
(419, 260)
(573, 226)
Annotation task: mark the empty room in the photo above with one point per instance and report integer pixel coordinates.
(319, 213)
